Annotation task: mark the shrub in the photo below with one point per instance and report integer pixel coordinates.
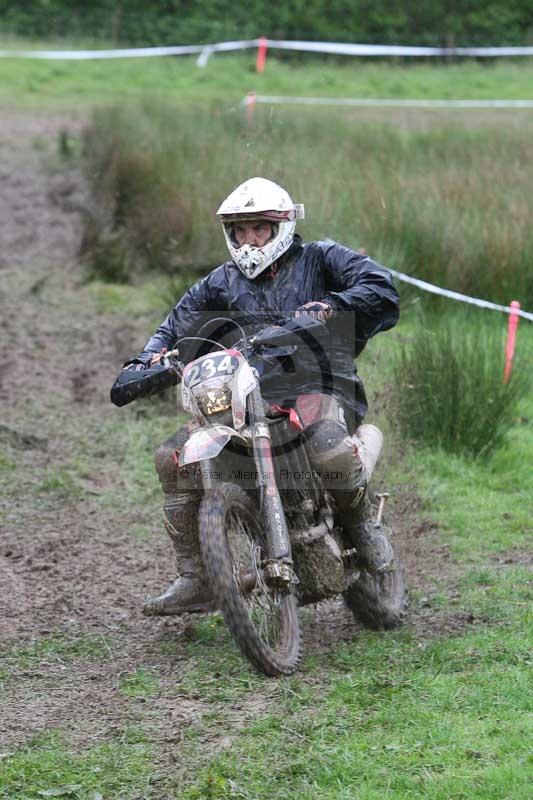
(485, 22)
(139, 217)
(449, 389)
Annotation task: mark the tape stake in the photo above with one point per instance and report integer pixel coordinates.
(249, 102)
(512, 325)
(261, 54)
(204, 56)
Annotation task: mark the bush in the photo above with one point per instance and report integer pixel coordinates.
(449, 389)
(140, 216)
(483, 22)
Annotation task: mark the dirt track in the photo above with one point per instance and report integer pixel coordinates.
(68, 566)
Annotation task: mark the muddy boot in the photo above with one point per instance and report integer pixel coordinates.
(190, 592)
(367, 535)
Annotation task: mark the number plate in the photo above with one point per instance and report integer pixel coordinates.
(218, 364)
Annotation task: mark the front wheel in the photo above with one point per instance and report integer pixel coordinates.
(262, 620)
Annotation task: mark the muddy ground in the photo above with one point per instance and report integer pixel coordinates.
(69, 566)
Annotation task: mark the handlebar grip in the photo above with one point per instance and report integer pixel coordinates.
(130, 385)
(291, 331)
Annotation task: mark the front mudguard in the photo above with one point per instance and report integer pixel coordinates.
(206, 443)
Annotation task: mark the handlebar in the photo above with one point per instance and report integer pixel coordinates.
(276, 340)
(289, 331)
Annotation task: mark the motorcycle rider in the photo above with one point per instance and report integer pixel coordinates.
(272, 274)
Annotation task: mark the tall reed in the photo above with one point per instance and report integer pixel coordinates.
(448, 383)
(450, 203)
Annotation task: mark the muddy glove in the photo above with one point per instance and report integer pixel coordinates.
(141, 380)
(134, 367)
(315, 309)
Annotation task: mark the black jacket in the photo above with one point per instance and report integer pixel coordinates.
(360, 290)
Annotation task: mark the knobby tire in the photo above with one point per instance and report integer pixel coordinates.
(228, 513)
(378, 600)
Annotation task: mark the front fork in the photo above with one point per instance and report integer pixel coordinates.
(279, 567)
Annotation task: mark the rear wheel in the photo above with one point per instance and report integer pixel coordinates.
(379, 600)
(262, 620)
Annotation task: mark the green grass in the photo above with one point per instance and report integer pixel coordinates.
(390, 715)
(149, 301)
(140, 683)
(61, 481)
(9, 474)
(212, 654)
(400, 718)
(113, 297)
(482, 508)
(55, 649)
(143, 426)
(47, 767)
(7, 464)
(227, 78)
(499, 594)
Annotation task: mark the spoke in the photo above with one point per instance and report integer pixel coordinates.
(246, 545)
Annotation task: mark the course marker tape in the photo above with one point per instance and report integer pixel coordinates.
(205, 50)
(385, 102)
(348, 49)
(429, 287)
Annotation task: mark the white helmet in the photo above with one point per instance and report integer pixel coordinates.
(258, 198)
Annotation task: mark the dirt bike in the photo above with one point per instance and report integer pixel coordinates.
(267, 527)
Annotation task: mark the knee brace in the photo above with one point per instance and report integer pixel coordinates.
(334, 455)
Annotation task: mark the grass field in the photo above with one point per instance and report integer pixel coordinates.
(227, 78)
(106, 705)
(423, 201)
